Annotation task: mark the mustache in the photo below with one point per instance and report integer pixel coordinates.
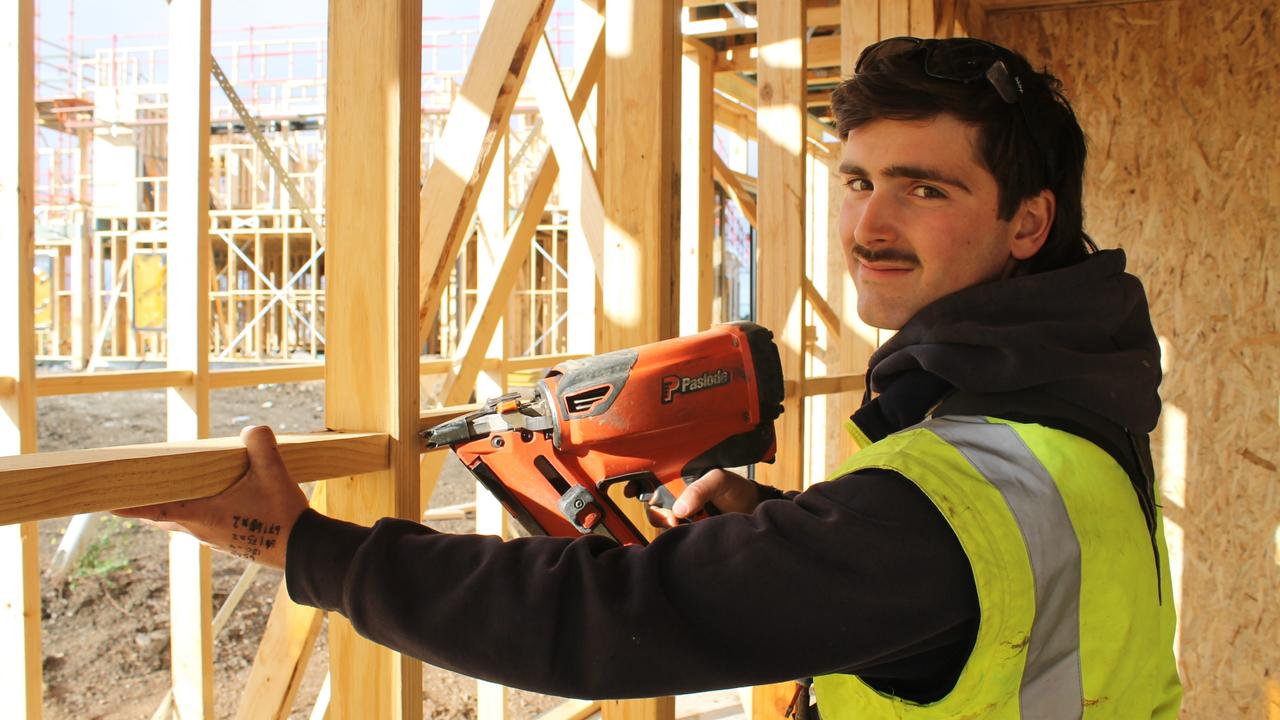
(885, 254)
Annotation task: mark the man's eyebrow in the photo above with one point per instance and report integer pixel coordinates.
(913, 172)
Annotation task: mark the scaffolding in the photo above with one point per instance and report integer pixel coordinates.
(101, 197)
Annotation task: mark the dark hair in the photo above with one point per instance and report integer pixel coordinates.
(896, 87)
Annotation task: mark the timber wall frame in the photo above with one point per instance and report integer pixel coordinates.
(386, 286)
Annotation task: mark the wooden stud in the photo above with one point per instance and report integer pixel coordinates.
(697, 214)
(470, 140)
(639, 165)
(371, 363)
(81, 272)
(187, 321)
(781, 130)
(922, 18)
(490, 517)
(859, 27)
(572, 710)
(895, 18)
(20, 661)
(646, 709)
(642, 52)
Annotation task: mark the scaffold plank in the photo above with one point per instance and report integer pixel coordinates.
(20, 660)
(470, 140)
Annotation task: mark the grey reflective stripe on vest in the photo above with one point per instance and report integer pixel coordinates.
(1051, 684)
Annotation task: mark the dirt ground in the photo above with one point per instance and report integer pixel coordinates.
(106, 630)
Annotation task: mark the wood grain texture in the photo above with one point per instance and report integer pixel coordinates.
(372, 349)
(187, 327)
(647, 709)
(639, 168)
(477, 122)
(572, 710)
(244, 377)
(56, 484)
(859, 27)
(112, 381)
(20, 659)
(780, 118)
(1179, 101)
(697, 196)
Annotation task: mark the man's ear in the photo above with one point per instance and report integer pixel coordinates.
(1031, 224)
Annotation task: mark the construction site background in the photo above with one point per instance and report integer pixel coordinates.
(101, 201)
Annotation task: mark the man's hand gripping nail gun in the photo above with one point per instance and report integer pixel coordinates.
(651, 419)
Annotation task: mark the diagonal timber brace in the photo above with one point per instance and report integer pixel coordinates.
(476, 125)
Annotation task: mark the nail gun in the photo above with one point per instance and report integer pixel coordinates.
(651, 419)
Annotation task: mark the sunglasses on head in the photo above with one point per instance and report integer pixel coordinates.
(962, 60)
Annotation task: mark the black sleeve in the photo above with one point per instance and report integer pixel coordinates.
(861, 574)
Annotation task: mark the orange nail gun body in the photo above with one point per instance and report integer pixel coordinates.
(653, 418)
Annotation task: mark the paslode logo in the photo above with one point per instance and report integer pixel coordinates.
(673, 384)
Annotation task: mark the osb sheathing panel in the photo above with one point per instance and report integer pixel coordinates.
(1181, 101)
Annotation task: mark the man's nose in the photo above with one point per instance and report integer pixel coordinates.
(878, 222)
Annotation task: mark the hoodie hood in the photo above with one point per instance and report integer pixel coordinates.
(1081, 334)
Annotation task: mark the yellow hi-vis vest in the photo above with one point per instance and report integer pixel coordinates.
(1071, 624)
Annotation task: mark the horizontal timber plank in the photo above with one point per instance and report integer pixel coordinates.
(40, 486)
(110, 381)
(7, 385)
(434, 366)
(538, 362)
(244, 377)
(56, 484)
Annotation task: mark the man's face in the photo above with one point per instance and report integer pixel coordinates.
(919, 217)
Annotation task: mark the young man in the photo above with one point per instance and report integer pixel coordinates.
(994, 548)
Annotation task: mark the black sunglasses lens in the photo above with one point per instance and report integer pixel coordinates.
(885, 49)
(959, 60)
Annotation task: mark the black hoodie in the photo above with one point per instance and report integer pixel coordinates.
(860, 574)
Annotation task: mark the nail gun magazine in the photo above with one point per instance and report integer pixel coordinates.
(650, 420)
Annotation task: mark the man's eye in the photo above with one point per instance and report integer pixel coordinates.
(858, 184)
(928, 192)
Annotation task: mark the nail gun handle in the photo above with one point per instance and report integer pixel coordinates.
(655, 494)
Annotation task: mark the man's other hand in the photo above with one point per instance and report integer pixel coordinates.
(251, 519)
(728, 492)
